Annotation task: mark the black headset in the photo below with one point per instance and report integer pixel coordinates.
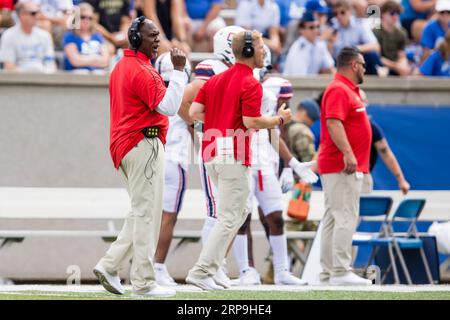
(248, 51)
(134, 36)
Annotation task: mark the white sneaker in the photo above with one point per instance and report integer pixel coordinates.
(286, 278)
(109, 282)
(349, 279)
(163, 277)
(207, 283)
(221, 278)
(157, 291)
(248, 277)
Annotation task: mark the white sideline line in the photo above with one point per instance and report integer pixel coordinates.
(189, 288)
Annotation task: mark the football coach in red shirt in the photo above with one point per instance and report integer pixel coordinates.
(229, 104)
(139, 106)
(343, 160)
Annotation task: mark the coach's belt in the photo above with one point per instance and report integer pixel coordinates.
(151, 132)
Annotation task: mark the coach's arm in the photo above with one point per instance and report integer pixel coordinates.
(264, 122)
(339, 137)
(197, 111)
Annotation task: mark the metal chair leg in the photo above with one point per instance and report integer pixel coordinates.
(393, 264)
(403, 263)
(373, 254)
(427, 267)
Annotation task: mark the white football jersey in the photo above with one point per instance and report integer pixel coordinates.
(262, 150)
(178, 142)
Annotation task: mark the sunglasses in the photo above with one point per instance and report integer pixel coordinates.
(444, 12)
(340, 12)
(394, 13)
(32, 13)
(90, 18)
(361, 63)
(312, 27)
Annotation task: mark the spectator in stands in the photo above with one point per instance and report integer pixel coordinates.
(203, 20)
(6, 8)
(392, 40)
(54, 18)
(166, 15)
(414, 16)
(435, 29)
(308, 55)
(263, 16)
(113, 19)
(290, 13)
(84, 49)
(438, 63)
(380, 146)
(25, 47)
(320, 10)
(354, 32)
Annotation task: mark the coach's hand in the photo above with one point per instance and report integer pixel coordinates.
(350, 163)
(178, 59)
(285, 113)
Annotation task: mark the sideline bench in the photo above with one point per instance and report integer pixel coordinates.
(8, 237)
(113, 203)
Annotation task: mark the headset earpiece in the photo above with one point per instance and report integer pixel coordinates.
(134, 36)
(248, 50)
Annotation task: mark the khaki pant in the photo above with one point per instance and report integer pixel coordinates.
(367, 185)
(139, 236)
(342, 194)
(231, 181)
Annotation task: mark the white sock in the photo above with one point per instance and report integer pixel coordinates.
(159, 266)
(207, 227)
(240, 251)
(280, 253)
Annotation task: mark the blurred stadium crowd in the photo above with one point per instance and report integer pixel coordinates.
(397, 37)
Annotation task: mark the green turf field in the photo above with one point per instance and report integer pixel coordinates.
(238, 295)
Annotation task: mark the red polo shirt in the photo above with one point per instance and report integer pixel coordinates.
(228, 97)
(135, 90)
(7, 4)
(342, 101)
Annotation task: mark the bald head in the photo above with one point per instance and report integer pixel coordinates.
(150, 38)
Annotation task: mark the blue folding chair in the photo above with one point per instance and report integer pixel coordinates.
(376, 207)
(408, 211)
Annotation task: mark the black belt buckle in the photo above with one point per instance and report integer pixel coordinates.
(151, 132)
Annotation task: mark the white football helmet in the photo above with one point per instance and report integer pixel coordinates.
(281, 87)
(164, 67)
(222, 43)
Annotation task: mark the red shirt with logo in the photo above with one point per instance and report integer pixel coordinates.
(342, 101)
(135, 90)
(228, 97)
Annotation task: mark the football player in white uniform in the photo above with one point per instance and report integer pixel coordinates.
(267, 190)
(177, 158)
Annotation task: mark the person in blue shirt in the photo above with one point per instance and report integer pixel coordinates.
(435, 29)
(204, 20)
(84, 49)
(298, 8)
(414, 16)
(438, 63)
